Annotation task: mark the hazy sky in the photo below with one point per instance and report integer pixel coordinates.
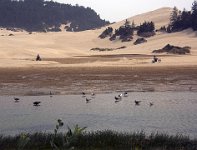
(116, 10)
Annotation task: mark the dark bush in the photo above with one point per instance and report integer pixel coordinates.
(147, 29)
(140, 41)
(173, 50)
(107, 32)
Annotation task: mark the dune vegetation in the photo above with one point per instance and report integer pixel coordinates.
(98, 140)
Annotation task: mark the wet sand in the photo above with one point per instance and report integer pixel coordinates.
(103, 79)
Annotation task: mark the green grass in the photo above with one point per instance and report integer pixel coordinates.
(102, 140)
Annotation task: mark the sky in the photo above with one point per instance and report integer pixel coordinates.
(117, 10)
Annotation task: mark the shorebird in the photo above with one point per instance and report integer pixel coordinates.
(92, 94)
(125, 94)
(151, 104)
(117, 97)
(16, 99)
(120, 95)
(83, 94)
(88, 100)
(36, 103)
(51, 95)
(137, 102)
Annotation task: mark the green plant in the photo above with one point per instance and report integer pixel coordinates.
(72, 136)
(22, 142)
(53, 142)
(68, 140)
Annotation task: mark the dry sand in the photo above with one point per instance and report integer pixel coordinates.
(69, 65)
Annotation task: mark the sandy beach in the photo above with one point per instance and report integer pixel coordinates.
(74, 80)
(69, 66)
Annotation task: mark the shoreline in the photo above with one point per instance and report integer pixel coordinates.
(74, 80)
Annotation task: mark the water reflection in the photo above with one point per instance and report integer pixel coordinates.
(172, 112)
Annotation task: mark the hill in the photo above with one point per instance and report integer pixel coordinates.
(73, 48)
(161, 17)
(40, 15)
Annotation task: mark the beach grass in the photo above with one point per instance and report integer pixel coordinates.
(100, 140)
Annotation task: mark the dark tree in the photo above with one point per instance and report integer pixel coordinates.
(127, 23)
(125, 33)
(194, 15)
(174, 17)
(41, 15)
(106, 32)
(183, 20)
(146, 29)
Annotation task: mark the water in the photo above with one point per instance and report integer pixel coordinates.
(172, 112)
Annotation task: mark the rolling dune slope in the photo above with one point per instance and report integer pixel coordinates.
(21, 48)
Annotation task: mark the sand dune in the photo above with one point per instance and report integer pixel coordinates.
(21, 49)
(160, 17)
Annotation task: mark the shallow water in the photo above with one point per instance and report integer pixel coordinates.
(172, 112)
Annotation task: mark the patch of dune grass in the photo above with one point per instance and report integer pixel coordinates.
(103, 140)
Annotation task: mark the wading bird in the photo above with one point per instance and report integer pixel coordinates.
(151, 104)
(36, 103)
(16, 99)
(137, 102)
(88, 100)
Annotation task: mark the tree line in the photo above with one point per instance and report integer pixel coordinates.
(41, 15)
(181, 20)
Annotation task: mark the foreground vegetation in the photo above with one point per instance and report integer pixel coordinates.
(99, 140)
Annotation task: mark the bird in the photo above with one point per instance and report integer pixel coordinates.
(83, 94)
(120, 95)
(137, 102)
(36, 103)
(93, 94)
(16, 99)
(151, 104)
(125, 94)
(117, 99)
(88, 100)
(51, 95)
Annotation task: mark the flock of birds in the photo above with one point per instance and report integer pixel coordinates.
(88, 99)
(35, 103)
(117, 98)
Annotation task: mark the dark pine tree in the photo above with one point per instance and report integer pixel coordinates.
(183, 20)
(174, 17)
(194, 15)
(146, 29)
(41, 15)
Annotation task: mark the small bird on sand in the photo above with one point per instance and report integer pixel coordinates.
(92, 94)
(125, 94)
(117, 97)
(120, 95)
(16, 99)
(51, 95)
(88, 100)
(137, 102)
(83, 94)
(151, 104)
(36, 103)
